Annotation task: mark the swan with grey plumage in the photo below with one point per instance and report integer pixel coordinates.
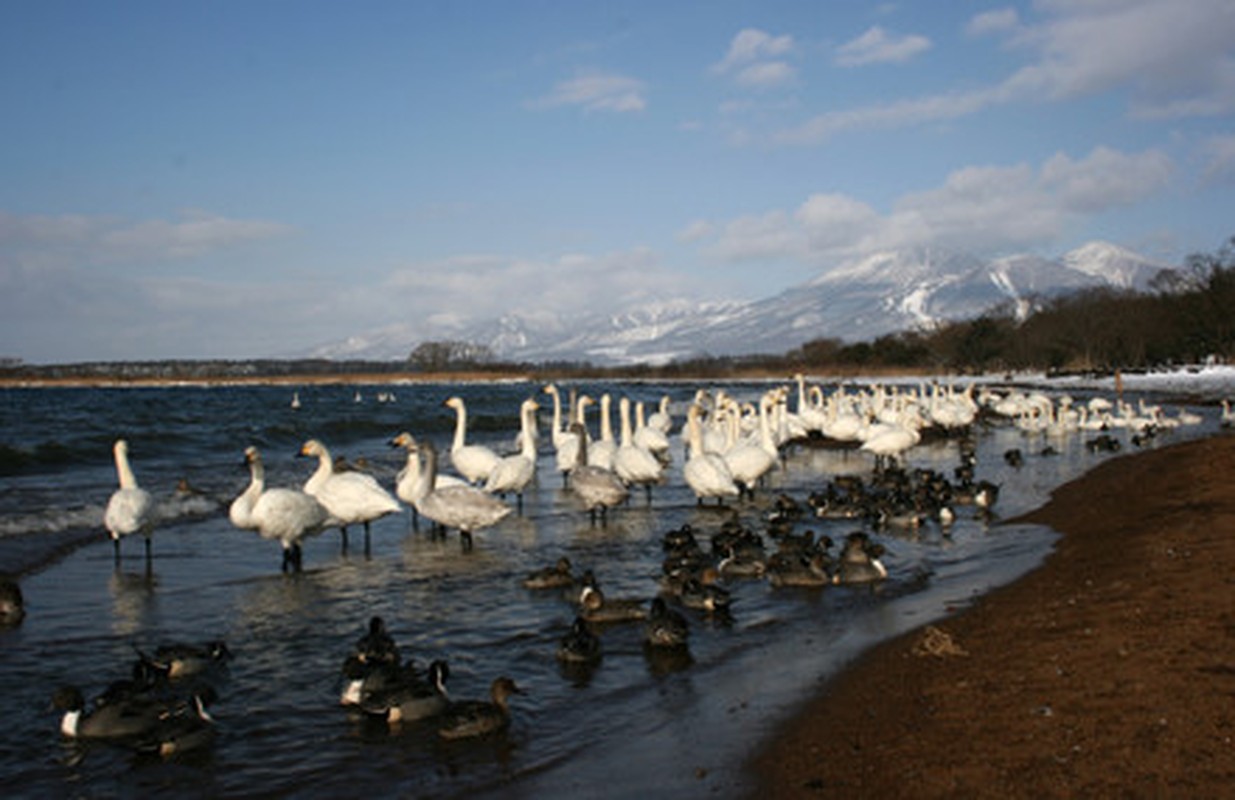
(464, 507)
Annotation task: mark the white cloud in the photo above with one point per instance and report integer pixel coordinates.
(1219, 155)
(899, 114)
(598, 91)
(695, 231)
(1001, 20)
(79, 238)
(1175, 58)
(877, 46)
(765, 74)
(978, 208)
(1105, 179)
(566, 282)
(1172, 59)
(751, 45)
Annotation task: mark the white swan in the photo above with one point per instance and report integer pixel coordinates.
(661, 419)
(408, 486)
(513, 473)
(600, 452)
(473, 461)
(598, 488)
(464, 507)
(565, 443)
(705, 472)
(349, 497)
(748, 462)
(650, 438)
(634, 464)
(130, 508)
(285, 515)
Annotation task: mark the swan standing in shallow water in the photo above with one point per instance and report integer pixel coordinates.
(632, 463)
(285, 515)
(514, 473)
(131, 508)
(408, 486)
(349, 497)
(473, 461)
(597, 487)
(705, 472)
(464, 507)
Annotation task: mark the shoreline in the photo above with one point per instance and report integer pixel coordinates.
(1108, 670)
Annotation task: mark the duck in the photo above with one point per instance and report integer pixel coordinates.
(377, 646)
(556, 576)
(362, 680)
(409, 701)
(182, 729)
(473, 461)
(595, 607)
(665, 627)
(464, 507)
(695, 593)
(177, 661)
(12, 605)
(800, 570)
(408, 486)
(598, 488)
(283, 514)
(514, 472)
(705, 472)
(859, 561)
(579, 645)
(130, 509)
(471, 718)
(118, 718)
(349, 497)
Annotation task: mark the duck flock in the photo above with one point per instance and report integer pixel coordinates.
(729, 448)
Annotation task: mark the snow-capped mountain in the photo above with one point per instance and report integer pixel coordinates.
(858, 300)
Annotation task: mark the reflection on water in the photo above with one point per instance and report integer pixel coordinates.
(134, 601)
(638, 721)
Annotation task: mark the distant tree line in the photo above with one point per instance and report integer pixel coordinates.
(1186, 316)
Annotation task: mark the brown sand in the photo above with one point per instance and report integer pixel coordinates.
(1108, 672)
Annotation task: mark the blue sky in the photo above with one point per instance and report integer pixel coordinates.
(246, 179)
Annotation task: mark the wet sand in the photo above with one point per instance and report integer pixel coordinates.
(1109, 671)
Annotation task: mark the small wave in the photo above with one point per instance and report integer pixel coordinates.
(181, 507)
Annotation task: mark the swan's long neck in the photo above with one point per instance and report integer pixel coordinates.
(695, 437)
(325, 468)
(428, 478)
(765, 428)
(624, 413)
(460, 426)
(557, 407)
(123, 471)
(606, 424)
(528, 425)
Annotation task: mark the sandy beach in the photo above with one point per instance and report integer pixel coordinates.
(1109, 671)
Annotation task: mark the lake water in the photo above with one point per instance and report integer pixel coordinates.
(633, 725)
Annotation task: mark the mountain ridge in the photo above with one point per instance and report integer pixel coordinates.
(882, 293)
